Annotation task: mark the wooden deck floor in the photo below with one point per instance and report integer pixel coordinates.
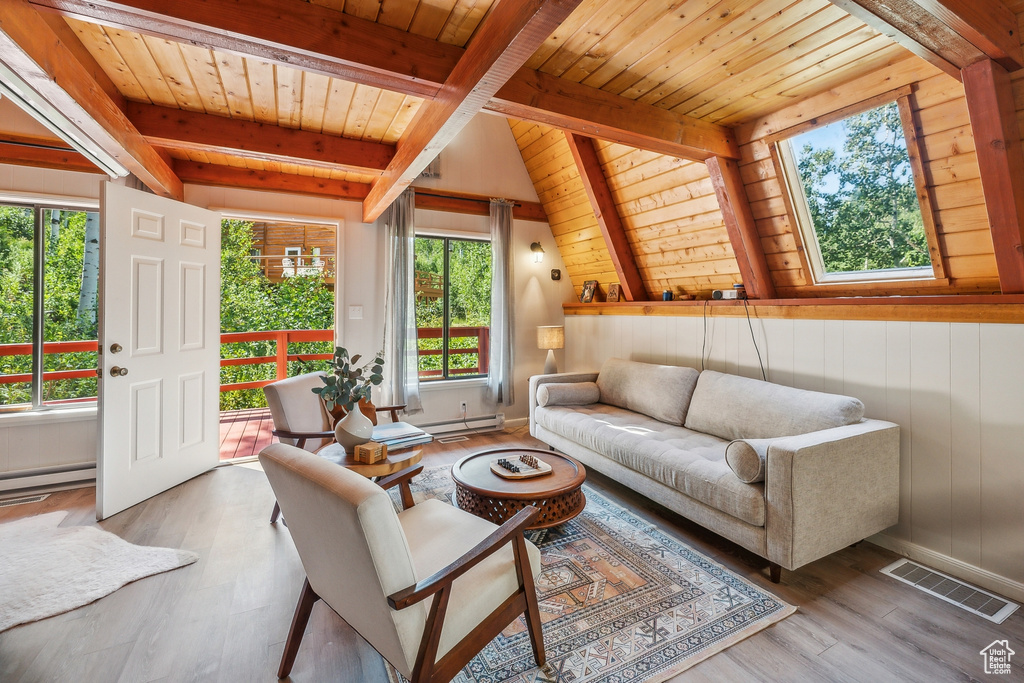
(245, 432)
(225, 618)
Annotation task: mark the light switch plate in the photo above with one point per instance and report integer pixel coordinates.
(355, 312)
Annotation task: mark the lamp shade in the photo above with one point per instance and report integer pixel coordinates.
(551, 337)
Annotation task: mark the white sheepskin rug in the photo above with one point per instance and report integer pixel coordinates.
(47, 570)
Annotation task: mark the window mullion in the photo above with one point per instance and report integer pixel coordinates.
(445, 311)
(38, 307)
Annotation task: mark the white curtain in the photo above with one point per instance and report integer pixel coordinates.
(401, 372)
(500, 377)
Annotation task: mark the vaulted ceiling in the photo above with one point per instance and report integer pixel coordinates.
(353, 98)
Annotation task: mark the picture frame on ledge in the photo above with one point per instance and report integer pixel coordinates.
(589, 289)
(613, 292)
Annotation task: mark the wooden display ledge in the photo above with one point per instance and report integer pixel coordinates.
(988, 308)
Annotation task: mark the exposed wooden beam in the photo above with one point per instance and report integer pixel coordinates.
(596, 184)
(23, 150)
(175, 128)
(227, 176)
(426, 198)
(739, 223)
(71, 40)
(332, 43)
(1001, 161)
(509, 35)
(301, 35)
(542, 98)
(474, 204)
(30, 48)
(951, 34)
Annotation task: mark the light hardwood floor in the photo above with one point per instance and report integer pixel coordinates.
(225, 618)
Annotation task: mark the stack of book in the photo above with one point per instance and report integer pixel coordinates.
(397, 435)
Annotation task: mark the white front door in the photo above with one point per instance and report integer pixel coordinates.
(159, 346)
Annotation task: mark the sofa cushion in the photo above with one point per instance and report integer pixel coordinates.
(734, 407)
(660, 391)
(746, 458)
(688, 461)
(568, 394)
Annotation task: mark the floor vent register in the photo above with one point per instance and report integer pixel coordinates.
(965, 596)
(24, 499)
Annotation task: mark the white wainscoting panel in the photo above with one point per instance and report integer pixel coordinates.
(956, 389)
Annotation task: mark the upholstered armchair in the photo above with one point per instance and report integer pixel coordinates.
(300, 418)
(428, 587)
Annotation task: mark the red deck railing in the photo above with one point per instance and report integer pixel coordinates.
(482, 349)
(282, 339)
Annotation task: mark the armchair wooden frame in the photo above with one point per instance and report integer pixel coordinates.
(427, 669)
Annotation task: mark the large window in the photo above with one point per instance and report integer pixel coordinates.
(49, 275)
(453, 307)
(855, 194)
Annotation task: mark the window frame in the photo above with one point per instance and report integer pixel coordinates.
(38, 204)
(446, 237)
(795, 199)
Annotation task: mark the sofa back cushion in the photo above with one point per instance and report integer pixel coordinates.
(734, 407)
(660, 391)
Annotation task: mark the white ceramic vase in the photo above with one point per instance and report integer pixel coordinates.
(353, 429)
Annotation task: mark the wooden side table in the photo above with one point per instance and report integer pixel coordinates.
(395, 461)
(558, 495)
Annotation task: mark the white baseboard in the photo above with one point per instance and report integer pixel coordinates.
(1008, 588)
(80, 475)
(516, 423)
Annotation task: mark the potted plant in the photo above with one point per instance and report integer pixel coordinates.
(345, 386)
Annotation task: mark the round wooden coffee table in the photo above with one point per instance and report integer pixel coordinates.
(558, 495)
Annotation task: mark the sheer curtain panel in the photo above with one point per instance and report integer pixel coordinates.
(401, 366)
(499, 375)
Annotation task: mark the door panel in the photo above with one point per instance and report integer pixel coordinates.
(160, 301)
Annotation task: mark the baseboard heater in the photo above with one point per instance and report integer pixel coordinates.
(84, 473)
(484, 423)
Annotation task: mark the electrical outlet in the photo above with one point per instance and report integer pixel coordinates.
(463, 408)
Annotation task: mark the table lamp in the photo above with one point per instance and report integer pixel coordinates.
(550, 337)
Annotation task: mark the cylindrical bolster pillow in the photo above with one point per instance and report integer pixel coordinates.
(568, 394)
(746, 458)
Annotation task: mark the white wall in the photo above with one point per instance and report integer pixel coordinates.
(954, 388)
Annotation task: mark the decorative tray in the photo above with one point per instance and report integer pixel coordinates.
(519, 467)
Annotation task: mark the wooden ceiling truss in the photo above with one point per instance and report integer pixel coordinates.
(509, 36)
(1001, 162)
(584, 153)
(951, 34)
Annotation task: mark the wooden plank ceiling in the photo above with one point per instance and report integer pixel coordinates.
(714, 73)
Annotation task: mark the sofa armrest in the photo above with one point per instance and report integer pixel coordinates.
(828, 489)
(537, 380)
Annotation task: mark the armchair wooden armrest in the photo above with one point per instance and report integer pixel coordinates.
(300, 437)
(444, 578)
(401, 479)
(391, 409)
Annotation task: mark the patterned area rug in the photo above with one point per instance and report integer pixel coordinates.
(620, 601)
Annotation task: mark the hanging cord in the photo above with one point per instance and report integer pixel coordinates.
(750, 325)
(704, 346)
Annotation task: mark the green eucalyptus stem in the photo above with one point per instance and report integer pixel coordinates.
(347, 383)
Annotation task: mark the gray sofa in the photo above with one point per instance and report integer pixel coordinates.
(789, 474)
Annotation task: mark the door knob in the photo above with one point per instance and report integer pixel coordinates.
(118, 372)
(115, 348)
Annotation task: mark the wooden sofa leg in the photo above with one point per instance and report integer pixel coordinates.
(302, 611)
(276, 514)
(774, 572)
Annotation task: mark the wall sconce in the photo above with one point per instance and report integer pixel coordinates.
(538, 252)
(550, 337)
